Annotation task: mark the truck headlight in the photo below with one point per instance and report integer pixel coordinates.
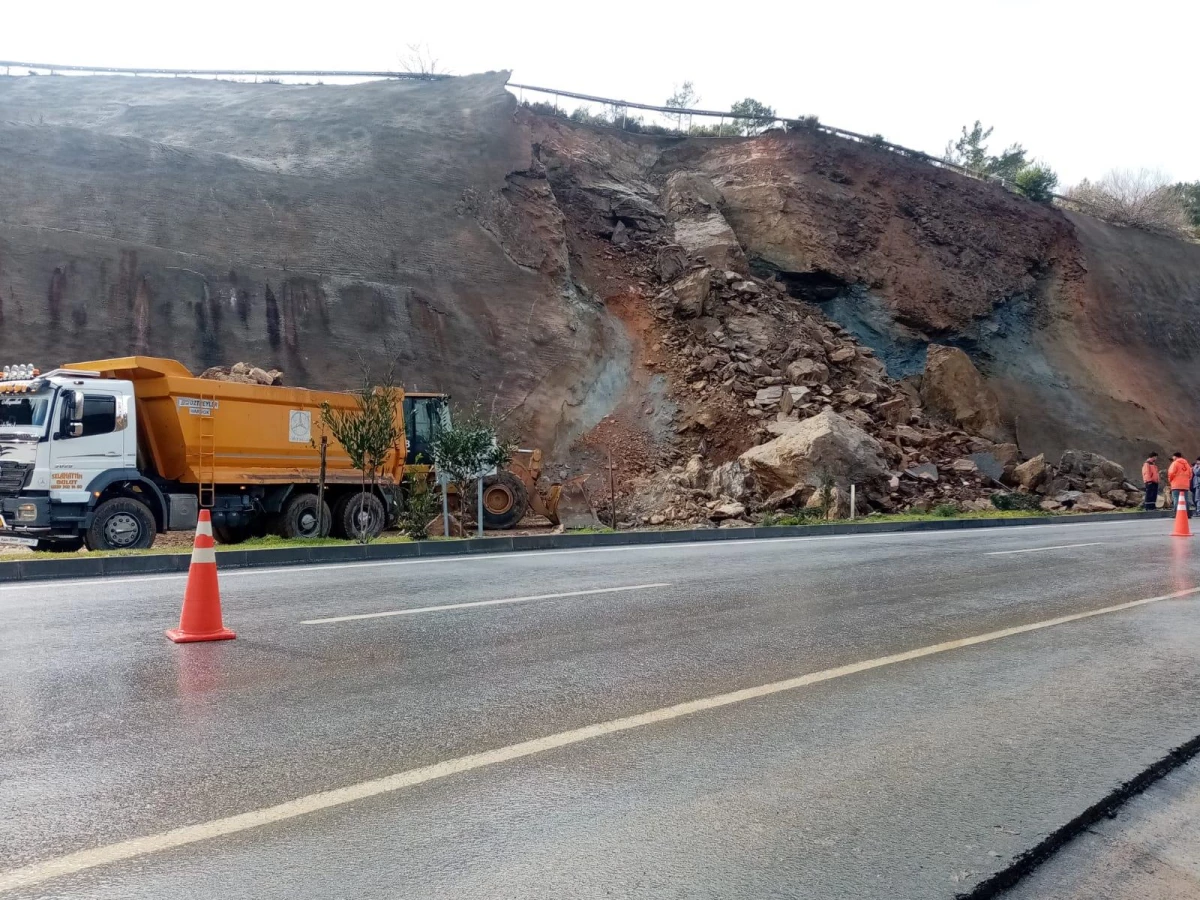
(26, 512)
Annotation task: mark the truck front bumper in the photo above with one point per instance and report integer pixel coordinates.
(32, 515)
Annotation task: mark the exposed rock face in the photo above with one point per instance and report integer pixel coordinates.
(823, 446)
(953, 389)
(300, 226)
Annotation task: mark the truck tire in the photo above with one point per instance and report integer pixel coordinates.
(357, 513)
(505, 500)
(66, 545)
(231, 534)
(300, 520)
(121, 523)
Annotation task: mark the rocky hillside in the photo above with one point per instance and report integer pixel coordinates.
(1082, 329)
(680, 303)
(304, 227)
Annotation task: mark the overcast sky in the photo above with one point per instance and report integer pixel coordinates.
(1087, 85)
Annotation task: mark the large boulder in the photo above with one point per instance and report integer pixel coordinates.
(1089, 502)
(693, 204)
(953, 390)
(691, 293)
(730, 480)
(1090, 467)
(812, 450)
(807, 371)
(1030, 474)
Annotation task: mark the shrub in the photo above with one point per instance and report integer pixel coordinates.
(421, 504)
(1037, 181)
(945, 510)
(1015, 501)
(1142, 199)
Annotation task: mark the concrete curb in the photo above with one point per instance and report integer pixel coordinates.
(100, 566)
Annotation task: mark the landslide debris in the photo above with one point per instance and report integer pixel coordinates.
(781, 410)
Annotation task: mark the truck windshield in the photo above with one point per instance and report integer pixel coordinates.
(24, 413)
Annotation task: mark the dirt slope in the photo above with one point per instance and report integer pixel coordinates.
(300, 227)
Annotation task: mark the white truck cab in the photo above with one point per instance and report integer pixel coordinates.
(68, 446)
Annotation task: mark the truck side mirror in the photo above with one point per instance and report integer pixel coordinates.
(75, 413)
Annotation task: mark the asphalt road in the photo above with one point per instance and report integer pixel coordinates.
(1149, 851)
(535, 749)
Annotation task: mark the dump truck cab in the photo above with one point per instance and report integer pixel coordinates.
(68, 445)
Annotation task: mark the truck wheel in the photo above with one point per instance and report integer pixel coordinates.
(231, 534)
(121, 523)
(67, 545)
(359, 515)
(300, 519)
(505, 500)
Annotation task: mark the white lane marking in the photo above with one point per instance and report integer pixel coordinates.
(427, 609)
(1043, 549)
(71, 863)
(527, 554)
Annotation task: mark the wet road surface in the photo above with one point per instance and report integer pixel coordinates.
(1150, 851)
(914, 776)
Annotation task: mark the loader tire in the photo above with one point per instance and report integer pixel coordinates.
(358, 515)
(300, 519)
(505, 500)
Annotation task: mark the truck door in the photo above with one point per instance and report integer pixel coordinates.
(76, 461)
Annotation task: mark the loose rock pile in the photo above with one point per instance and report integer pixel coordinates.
(820, 413)
(1082, 481)
(244, 373)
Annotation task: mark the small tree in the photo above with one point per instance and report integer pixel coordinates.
(685, 97)
(1037, 181)
(467, 450)
(752, 116)
(419, 60)
(368, 433)
(971, 152)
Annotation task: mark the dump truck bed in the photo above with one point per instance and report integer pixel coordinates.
(201, 431)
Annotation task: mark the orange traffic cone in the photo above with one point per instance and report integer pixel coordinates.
(201, 617)
(1181, 518)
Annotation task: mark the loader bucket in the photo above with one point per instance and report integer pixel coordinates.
(573, 506)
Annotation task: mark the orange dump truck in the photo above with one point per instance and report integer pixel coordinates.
(110, 452)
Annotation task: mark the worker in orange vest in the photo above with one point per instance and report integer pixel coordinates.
(1150, 479)
(1179, 475)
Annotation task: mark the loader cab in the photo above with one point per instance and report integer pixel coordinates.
(424, 416)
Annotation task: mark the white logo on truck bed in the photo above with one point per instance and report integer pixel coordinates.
(198, 407)
(299, 426)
